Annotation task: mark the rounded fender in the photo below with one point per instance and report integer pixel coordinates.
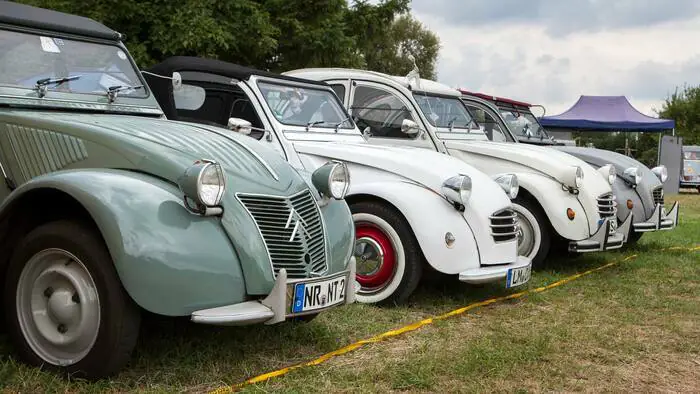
(430, 218)
(554, 202)
(624, 192)
(170, 261)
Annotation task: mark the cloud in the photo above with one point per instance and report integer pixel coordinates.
(610, 48)
(560, 17)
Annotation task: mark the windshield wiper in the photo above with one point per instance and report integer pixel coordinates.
(113, 91)
(337, 125)
(42, 85)
(451, 123)
(314, 123)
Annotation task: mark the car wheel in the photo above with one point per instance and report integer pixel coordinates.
(389, 261)
(65, 306)
(534, 237)
(633, 236)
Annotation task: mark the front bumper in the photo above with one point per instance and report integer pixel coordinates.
(660, 220)
(274, 308)
(488, 274)
(606, 238)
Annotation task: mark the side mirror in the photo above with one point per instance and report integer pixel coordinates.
(366, 133)
(240, 125)
(409, 127)
(177, 80)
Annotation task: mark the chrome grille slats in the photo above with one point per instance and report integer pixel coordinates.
(658, 195)
(607, 206)
(276, 218)
(504, 225)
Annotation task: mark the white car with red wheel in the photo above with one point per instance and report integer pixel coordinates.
(563, 201)
(412, 208)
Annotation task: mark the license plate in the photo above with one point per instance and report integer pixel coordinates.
(319, 294)
(517, 276)
(613, 226)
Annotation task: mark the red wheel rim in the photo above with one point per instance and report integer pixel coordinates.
(385, 271)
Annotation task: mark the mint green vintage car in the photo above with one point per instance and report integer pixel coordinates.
(108, 209)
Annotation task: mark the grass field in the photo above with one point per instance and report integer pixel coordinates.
(631, 327)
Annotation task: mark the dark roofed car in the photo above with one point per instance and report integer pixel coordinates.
(108, 209)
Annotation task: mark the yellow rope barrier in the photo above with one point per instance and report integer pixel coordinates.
(415, 326)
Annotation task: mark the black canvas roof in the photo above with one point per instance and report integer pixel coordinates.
(41, 18)
(190, 63)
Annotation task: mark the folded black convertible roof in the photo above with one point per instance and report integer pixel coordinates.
(41, 18)
(190, 63)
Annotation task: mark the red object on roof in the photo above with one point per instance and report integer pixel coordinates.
(495, 98)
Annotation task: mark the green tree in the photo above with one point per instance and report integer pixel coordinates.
(386, 34)
(683, 106)
(276, 35)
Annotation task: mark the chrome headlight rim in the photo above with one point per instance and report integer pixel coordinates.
(329, 176)
(509, 183)
(457, 189)
(661, 172)
(632, 174)
(192, 184)
(579, 177)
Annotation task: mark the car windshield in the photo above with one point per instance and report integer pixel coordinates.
(296, 106)
(445, 112)
(65, 65)
(691, 167)
(523, 124)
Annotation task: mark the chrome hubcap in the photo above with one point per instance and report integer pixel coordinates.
(369, 256)
(526, 236)
(58, 307)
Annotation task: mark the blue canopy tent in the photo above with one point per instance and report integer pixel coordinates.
(605, 113)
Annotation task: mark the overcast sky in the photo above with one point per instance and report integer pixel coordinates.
(552, 51)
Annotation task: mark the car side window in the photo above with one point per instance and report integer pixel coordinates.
(339, 91)
(380, 111)
(491, 128)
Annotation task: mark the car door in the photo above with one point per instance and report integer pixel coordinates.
(380, 110)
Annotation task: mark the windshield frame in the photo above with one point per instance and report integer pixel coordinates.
(145, 103)
(351, 129)
(523, 111)
(444, 129)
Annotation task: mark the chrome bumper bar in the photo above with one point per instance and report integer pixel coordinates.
(659, 220)
(487, 274)
(604, 239)
(274, 308)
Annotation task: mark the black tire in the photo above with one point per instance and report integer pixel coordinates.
(544, 227)
(413, 256)
(119, 317)
(633, 237)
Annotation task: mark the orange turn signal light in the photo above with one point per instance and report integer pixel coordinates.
(630, 204)
(570, 213)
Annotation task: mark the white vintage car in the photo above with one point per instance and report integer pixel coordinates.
(561, 197)
(409, 206)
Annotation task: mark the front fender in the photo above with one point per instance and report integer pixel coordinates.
(555, 201)
(430, 217)
(170, 261)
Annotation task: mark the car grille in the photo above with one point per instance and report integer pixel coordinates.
(606, 205)
(504, 225)
(301, 252)
(658, 195)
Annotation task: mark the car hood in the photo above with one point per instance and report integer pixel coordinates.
(600, 157)
(422, 166)
(165, 148)
(541, 159)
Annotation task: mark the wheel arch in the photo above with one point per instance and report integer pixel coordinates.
(156, 245)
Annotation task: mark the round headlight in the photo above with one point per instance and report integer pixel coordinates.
(509, 184)
(633, 175)
(609, 172)
(661, 172)
(579, 176)
(457, 189)
(211, 185)
(203, 183)
(332, 179)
